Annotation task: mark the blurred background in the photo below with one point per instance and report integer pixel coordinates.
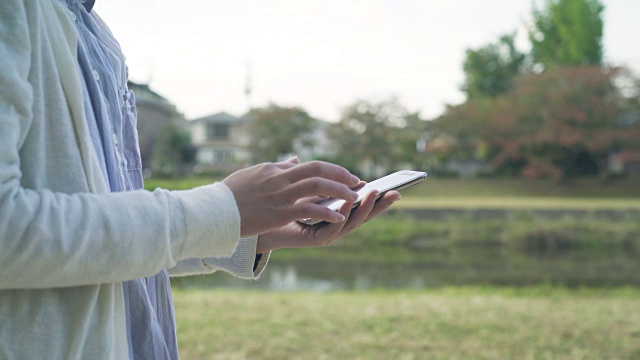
(522, 243)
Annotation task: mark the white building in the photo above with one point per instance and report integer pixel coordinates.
(221, 141)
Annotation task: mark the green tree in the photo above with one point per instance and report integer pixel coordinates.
(489, 70)
(460, 133)
(376, 137)
(175, 151)
(409, 138)
(274, 131)
(567, 33)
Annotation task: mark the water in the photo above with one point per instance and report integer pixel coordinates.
(436, 268)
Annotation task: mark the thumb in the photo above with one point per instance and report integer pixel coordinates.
(293, 160)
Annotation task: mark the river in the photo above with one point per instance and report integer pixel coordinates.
(431, 268)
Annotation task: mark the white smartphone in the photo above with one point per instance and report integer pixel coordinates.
(397, 181)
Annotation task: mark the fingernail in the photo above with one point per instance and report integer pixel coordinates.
(293, 159)
(341, 217)
(355, 179)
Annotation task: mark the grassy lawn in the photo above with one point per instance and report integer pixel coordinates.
(508, 187)
(516, 202)
(461, 323)
(576, 194)
(483, 188)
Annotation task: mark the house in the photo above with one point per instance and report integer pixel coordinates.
(624, 163)
(155, 113)
(314, 145)
(453, 158)
(221, 142)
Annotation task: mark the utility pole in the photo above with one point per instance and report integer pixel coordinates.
(248, 86)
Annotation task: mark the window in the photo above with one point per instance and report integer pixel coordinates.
(222, 156)
(217, 131)
(216, 156)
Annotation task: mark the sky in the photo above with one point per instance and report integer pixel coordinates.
(324, 55)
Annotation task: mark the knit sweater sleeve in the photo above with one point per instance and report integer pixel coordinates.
(56, 240)
(242, 264)
(51, 238)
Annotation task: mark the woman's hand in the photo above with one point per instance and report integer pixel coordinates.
(267, 195)
(295, 234)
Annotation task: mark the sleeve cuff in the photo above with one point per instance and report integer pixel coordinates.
(212, 221)
(244, 263)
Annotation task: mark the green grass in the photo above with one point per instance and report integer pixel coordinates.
(461, 323)
(477, 188)
(581, 194)
(513, 202)
(519, 232)
(509, 187)
(539, 322)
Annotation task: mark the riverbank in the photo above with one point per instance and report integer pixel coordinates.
(548, 232)
(433, 248)
(466, 188)
(462, 322)
(564, 282)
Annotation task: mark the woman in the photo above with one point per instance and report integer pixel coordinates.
(85, 250)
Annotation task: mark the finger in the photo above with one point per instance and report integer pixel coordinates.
(312, 199)
(353, 218)
(288, 164)
(316, 212)
(359, 185)
(331, 232)
(293, 160)
(324, 200)
(319, 187)
(360, 215)
(383, 204)
(323, 170)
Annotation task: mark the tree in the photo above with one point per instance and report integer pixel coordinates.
(567, 33)
(408, 138)
(376, 137)
(559, 122)
(564, 122)
(175, 151)
(274, 131)
(460, 133)
(489, 70)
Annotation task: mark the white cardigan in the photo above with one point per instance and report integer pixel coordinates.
(66, 244)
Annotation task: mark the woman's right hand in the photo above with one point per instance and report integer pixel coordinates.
(267, 194)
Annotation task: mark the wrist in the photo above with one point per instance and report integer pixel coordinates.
(263, 244)
(273, 240)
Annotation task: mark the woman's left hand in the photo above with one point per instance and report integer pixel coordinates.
(297, 235)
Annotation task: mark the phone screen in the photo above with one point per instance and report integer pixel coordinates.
(396, 181)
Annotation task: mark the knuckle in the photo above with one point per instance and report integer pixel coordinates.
(315, 167)
(269, 167)
(315, 185)
(271, 173)
(348, 228)
(261, 168)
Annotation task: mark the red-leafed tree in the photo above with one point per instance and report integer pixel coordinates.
(555, 112)
(565, 121)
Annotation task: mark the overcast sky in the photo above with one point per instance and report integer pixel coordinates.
(324, 54)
